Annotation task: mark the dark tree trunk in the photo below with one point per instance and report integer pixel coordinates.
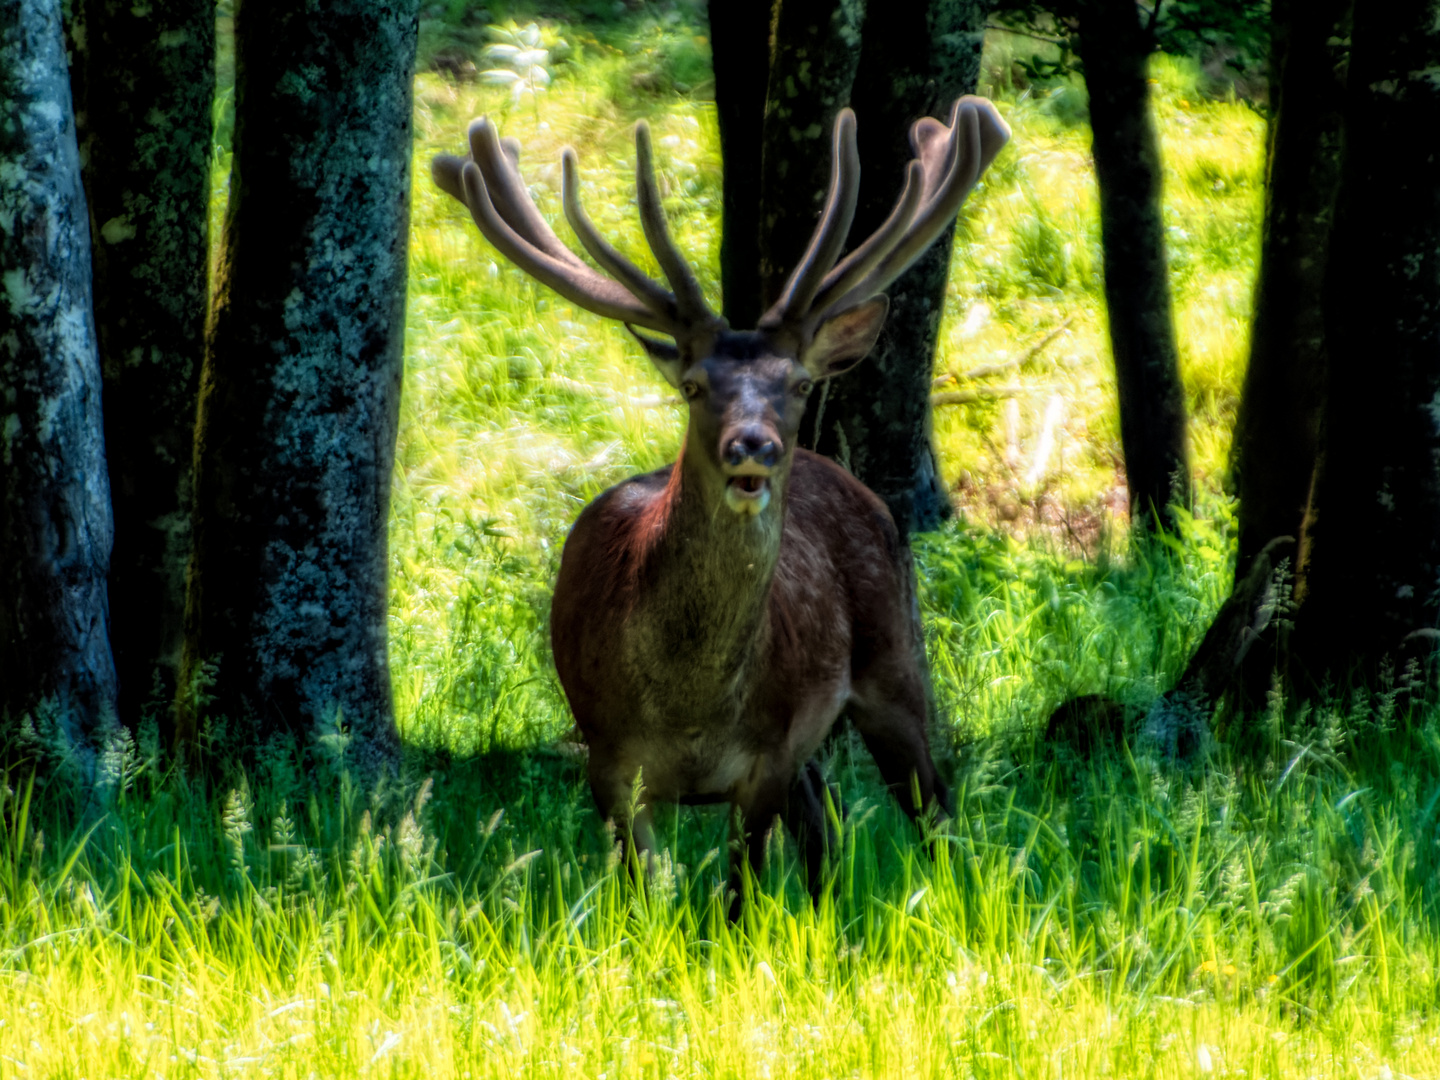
(1277, 431)
(55, 527)
(1114, 49)
(817, 49)
(740, 40)
(917, 58)
(1374, 576)
(144, 89)
(300, 393)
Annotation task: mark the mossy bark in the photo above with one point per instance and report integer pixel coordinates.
(145, 82)
(1373, 587)
(1277, 431)
(740, 39)
(1115, 47)
(300, 393)
(917, 58)
(55, 528)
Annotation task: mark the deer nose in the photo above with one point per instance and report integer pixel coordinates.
(753, 445)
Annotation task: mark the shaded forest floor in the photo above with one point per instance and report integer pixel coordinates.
(1266, 915)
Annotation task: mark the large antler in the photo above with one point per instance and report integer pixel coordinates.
(488, 182)
(949, 159)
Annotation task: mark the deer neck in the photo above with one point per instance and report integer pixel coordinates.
(712, 576)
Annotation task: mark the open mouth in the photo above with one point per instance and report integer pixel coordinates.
(747, 494)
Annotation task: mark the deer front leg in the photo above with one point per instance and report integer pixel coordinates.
(613, 783)
(799, 802)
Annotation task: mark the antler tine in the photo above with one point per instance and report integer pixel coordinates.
(947, 164)
(829, 236)
(574, 281)
(856, 266)
(500, 168)
(690, 301)
(657, 299)
(960, 172)
(956, 155)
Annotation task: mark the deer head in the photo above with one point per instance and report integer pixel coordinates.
(746, 390)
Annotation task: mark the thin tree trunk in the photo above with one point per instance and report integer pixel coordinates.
(55, 529)
(1114, 48)
(917, 58)
(817, 49)
(740, 42)
(1374, 577)
(144, 90)
(300, 394)
(1277, 432)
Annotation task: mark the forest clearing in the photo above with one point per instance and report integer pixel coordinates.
(1266, 907)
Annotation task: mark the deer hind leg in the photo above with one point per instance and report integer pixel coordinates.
(622, 802)
(890, 716)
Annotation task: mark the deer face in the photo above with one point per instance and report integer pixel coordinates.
(745, 407)
(747, 395)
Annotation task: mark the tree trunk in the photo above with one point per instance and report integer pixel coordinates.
(918, 57)
(55, 529)
(144, 89)
(1374, 577)
(740, 43)
(817, 48)
(1277, 432)
(300, 394)
(1114, 49)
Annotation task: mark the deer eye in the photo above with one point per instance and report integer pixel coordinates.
(803, 388)
(691, 389)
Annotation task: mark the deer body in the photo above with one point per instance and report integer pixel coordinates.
(712, 656)
(713, 618)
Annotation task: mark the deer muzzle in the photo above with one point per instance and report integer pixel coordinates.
(749, 461)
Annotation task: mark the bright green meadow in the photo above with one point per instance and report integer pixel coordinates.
(1266, 915)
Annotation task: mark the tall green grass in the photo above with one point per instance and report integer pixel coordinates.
(1266, 915)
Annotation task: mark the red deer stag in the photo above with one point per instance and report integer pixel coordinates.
(713, 618)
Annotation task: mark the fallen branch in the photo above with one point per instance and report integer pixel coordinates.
(986, 370)
(981, 393)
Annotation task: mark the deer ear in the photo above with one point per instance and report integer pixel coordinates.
(843, 340)
(663, 354)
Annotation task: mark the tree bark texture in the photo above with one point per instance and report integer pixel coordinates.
(918, 56)
(145, 86)
(812, 70)
(300, 394)
(1374, 577)
(1114, 49)
(55, 529)
(1277, 432)
(740, 41)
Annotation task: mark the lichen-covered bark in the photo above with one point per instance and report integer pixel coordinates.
(300, 392)
(1277, 430)
(1374, 577)
(740, 40)
(55, 527)
(144, 78)
(918, 56)
(812, 69)
(1114, 48)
